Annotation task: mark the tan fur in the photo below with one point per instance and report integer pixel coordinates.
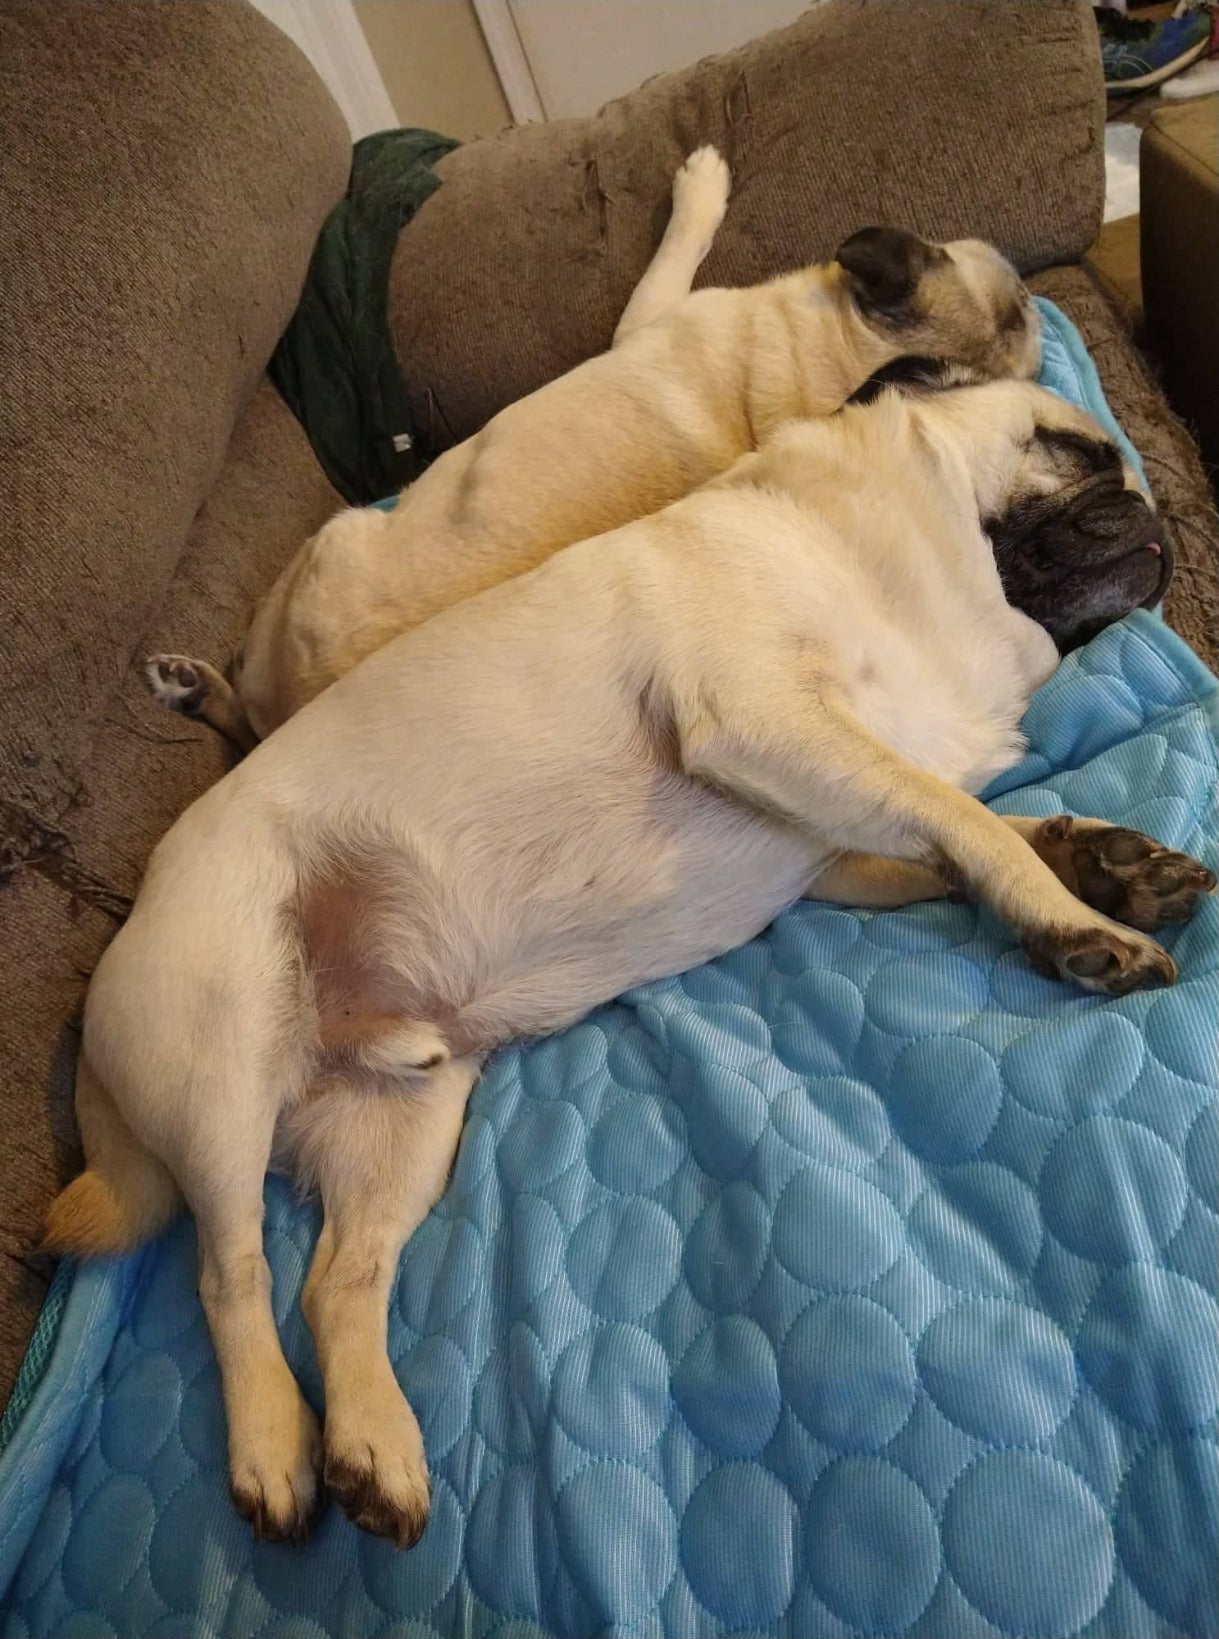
(610, 769)
(125, 1195)
(90, 1219)
(692, 383)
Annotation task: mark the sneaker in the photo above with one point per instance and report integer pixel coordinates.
(1138, 55)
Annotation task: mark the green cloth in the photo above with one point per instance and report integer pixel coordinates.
(335, 364)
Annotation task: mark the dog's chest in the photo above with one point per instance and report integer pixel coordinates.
(947, 684)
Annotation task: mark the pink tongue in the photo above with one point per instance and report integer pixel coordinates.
(1154, 546)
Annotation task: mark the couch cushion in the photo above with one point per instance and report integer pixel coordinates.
(860, 112)
(1170, 456)
(166, 169)
(71, 887)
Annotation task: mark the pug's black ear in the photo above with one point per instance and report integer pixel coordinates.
(884, 266)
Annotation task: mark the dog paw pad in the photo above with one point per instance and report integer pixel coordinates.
(176, 682)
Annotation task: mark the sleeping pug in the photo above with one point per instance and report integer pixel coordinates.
(612, 768)
(691, 383)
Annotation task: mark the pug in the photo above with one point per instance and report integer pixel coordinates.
(691, 383)
(626, 762)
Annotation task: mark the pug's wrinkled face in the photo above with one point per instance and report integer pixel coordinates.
(958, 312)
(1075, 541)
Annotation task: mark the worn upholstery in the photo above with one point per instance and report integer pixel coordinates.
(954, 117)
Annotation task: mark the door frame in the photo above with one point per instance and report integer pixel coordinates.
(511, 64)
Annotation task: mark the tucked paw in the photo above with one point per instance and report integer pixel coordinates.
(700, 191)
(380, 1477)
(177, 682)
(275, 1471)
(1122, 873)
(1106, 961)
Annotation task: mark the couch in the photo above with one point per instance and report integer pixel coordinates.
(167, 169)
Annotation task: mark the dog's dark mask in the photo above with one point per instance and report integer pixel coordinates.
(1084, 556)
(911, 375)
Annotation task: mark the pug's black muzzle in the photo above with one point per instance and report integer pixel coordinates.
(1081, 558)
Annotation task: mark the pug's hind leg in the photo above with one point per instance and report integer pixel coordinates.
(871, 882)
(381, 1157)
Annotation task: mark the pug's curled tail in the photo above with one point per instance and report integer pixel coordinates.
(123, 1197)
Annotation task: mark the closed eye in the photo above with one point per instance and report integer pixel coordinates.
(1088, 454)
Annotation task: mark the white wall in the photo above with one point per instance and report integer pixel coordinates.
(435, 65)
(329, 34)
(582, 53)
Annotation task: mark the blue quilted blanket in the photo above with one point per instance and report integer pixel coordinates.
(861, 1282)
